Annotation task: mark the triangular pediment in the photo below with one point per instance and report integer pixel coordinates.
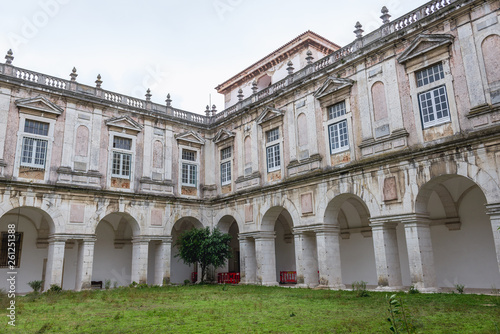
(268, 114)
(191, 137)
(124, 122)
(223, 135)
(423, 44)
(41, 104)
(332, 85)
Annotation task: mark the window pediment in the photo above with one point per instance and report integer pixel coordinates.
(223, 135)
(40, 104)
(424, 44)
(190, 137)
(268, 114)
(125, 123)
(332, 85)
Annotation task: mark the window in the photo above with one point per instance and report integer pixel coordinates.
(34, 144)
(338, 129)
(339, 140)
(189, 170)
(10, 247)
(122, 157)
(225, 166)
(273, 150)
(433, 102)
(336, 110)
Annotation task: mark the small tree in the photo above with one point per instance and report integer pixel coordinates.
(205, 247)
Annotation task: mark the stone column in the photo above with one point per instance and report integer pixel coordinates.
(328, 246)
(140, 248)
(420, 254)
(55, 262)
(385, 244)
(493, 210)
(85, 263)
(248, 264)
(266, 258)
(306, 259)
(162, 262)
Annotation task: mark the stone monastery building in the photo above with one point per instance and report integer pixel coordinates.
(377, 161)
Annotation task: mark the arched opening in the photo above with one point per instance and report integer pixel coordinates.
(349, 213)
(230, 273)
(32, 229)
(113, 249)
(461, 235)
(179, 270)
(279, 221)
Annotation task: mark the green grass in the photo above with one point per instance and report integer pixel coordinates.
(245, 309)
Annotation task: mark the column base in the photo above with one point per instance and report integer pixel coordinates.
(307, 286)
(270, 284)
(331, 287)
(389, 288)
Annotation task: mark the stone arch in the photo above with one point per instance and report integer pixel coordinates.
(179, 270)
(356, 188)
(228, 224)
(350, 214)
(34, 225)
(225, 214)
(57, 221)
(273, 209)
(113, 250)
(462, 242)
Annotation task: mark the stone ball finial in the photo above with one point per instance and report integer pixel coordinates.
(358, 31)
(148, 95)
(214, 109)
(9, 57)
(385, 15)
(254, 87)
(168, 100)
(207, 111)
(309, 57)
(98, 82)
(240, 94)
(73, 74)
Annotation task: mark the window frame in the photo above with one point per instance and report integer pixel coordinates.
(273, 149)
(189, 167)
(123, 155)
(37, 139)
(334, 119)
(191, 174)
(226, 155)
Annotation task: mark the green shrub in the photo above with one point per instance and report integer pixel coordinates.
(107, 284)
(36, 285)
(360, 288)
(413, 290)
(54, 288)
(460, 288)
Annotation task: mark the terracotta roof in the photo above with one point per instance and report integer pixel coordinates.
(306, 39)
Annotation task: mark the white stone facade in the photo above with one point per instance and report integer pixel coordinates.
(378, 162)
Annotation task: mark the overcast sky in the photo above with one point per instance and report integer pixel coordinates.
(184, 48)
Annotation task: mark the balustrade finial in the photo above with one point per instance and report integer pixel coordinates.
(254, 87)
(309, 57)
(9, 57)
(385, 15)
(240, 95)
(358, 31)
(73, 74)
(148, 95)
(98, 82)
(168, 100)
(214, 110)
(290, 68)
(207, 111)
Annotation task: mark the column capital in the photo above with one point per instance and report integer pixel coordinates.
(385, 222)
(257, 235)
(493, 209)
(415, 219)
(161, 238)
(141, 239)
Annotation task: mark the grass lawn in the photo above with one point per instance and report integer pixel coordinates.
(245, 309)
